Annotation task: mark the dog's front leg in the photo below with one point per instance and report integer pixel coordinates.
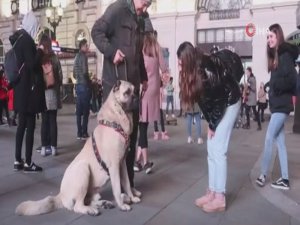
(114, 172)
(126, 184)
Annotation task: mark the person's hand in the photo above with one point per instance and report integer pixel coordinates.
(210, 133)
(144, 85)
(119, 57)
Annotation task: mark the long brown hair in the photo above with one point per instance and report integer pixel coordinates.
(272, 53)
(151, 46)
(190, 81)
(48, 52)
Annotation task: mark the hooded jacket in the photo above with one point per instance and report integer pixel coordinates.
(283, 80)
(29, 90)
(120, 28)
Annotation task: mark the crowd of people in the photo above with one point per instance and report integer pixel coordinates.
(210, 86)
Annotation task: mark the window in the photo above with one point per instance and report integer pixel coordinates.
(210, 36)
(228, 35)
(220, 35)
(201, 36)
(1, 52)
(239, 34)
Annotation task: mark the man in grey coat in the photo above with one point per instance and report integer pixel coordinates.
(118, 34)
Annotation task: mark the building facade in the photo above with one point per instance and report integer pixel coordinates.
(239, 25)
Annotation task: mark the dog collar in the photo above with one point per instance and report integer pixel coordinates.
(117, 127)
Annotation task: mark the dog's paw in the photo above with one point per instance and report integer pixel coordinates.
(93, 211)
(125, 198)
(136, 193)
(125, 207)
(135, 199)
(104, 204)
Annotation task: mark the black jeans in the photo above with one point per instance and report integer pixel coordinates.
(255, 114)
(26, 122)
(261, 110)
(130, 159)
(143, 139)
(82, 108)
(4, 106)
(49, 128)
(162, 122)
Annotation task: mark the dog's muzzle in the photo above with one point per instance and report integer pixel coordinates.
(134, 104)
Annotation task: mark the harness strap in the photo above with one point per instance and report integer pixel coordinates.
(117, 128)
(100, 161)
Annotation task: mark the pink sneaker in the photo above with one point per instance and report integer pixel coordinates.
(208, 197)
(164, 136)
(155, 136)
(218, 204)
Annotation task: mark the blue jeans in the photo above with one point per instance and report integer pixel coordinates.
(217, 150)
(83, 93)
(189, 120)
(275, 131)
(170, 99)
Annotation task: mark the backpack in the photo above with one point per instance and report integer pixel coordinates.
(233, 63)
(12, 71)
(48, 74)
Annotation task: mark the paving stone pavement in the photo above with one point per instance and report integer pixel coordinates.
(179, 176)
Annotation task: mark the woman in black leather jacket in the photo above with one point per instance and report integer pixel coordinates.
(281, 64)
(212, 82)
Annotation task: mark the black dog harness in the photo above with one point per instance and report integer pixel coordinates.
(117, 128)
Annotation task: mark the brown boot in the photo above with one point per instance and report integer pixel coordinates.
(218, 204)
(209, 196)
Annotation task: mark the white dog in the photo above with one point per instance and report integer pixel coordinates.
(102, 157)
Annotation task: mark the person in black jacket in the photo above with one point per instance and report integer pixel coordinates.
(29, 90)
(282, 86)
(212, 82)
(118, 34)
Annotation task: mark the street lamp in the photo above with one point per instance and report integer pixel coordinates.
(54, 15)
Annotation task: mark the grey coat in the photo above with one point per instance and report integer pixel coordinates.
(119, 28)
(252, 98)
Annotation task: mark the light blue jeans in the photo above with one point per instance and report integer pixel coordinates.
(217, 150)
(189, 121)
(275, 132)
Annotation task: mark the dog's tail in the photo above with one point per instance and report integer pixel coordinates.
(46, 205)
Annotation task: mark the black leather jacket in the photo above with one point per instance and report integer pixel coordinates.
(221, 89)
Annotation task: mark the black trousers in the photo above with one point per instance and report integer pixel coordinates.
(26, 122)
(49, 128)
(162, 122)
(261, 111)
(143, 139)
(130, 159)
(4, 106)
(255, 114)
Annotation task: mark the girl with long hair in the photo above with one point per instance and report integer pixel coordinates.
(150, 99)
(206, 80)
(52, 94)
(282, 86)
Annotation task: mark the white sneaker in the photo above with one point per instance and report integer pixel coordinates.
(43, 151)
(190, 140)
(200, 141)
(53, 151)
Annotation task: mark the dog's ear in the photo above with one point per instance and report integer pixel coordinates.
(117, 86)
